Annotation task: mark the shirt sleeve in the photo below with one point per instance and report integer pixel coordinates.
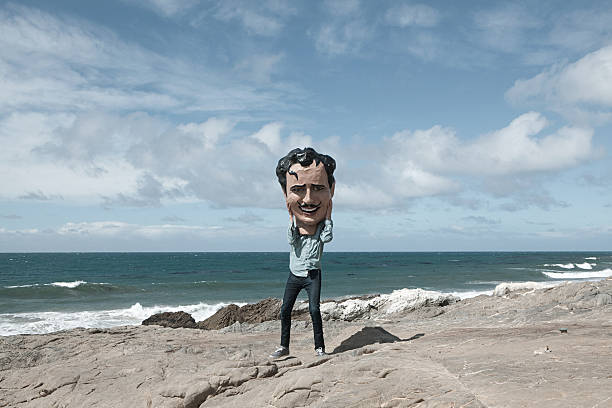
(326, 232)
(291, 232)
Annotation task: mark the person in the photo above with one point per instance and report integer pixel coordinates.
(307, 180)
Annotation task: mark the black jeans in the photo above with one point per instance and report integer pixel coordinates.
(312, 284)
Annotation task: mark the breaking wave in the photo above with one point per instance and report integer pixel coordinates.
(606, 273)
(47, 322)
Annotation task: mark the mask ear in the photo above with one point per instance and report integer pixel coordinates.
(333, 188)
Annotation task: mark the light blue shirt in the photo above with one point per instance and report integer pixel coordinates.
(306, 250)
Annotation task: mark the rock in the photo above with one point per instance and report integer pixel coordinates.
(171, 319)
(398, 301)
(222, 318)
(267, 309)
(506, 288)
(603, 299)
(196, 395)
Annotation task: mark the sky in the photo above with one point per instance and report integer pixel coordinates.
(156, 125)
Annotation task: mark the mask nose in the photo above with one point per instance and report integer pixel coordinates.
(308, 197)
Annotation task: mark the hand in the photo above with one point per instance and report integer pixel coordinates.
(329, 210)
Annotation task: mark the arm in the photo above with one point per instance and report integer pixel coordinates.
(326, 233)
(292, 230)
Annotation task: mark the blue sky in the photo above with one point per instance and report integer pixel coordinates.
(156, 125)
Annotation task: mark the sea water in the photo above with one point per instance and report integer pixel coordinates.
(46, 292)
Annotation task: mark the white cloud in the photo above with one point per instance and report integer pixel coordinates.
(412, 15)
(260, 68)
(166, 8)
(337, 38)
(435, 161)
(254, 21)
(586, 83)
(505, 28)
(582, 29)
(55, 63)
(140, 160)
(121, 229)
(342, 7)
(515, 149)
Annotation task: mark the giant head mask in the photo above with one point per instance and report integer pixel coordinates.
(307, 180)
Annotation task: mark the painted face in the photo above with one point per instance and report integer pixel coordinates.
(308, 193)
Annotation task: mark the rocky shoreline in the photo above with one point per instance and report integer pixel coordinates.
(549, 347)
(347, 309)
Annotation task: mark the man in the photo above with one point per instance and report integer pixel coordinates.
(307, 180)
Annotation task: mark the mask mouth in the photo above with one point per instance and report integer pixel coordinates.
(309, 208)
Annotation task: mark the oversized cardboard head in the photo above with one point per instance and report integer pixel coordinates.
(307, 180)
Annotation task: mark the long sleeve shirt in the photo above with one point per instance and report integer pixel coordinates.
(306, 250)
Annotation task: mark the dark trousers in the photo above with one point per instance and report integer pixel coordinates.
(312, 284)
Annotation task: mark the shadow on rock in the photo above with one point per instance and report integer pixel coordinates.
(370, 335)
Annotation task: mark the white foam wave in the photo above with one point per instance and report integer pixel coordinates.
(585, 265)
(591, 258)
(471, 293)
(606, 273)
(564, 266)
(70, 285)
(47, 322)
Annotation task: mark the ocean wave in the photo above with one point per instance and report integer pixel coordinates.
(471, 293)
(68, 285)
(605, 273)
(20, 286)
(586, 265)
(477, 282)
(47, 322)
(591, 258)
(564, 266)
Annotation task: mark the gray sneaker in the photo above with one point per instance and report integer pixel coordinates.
(321, 352)
(280, 352)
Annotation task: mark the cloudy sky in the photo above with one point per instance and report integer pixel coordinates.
(133, 125)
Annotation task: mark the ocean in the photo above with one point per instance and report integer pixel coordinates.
(47, 292)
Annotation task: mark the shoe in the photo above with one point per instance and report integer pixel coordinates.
(280, 352)
(321, 352)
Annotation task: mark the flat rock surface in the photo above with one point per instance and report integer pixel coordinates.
(489, 351)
